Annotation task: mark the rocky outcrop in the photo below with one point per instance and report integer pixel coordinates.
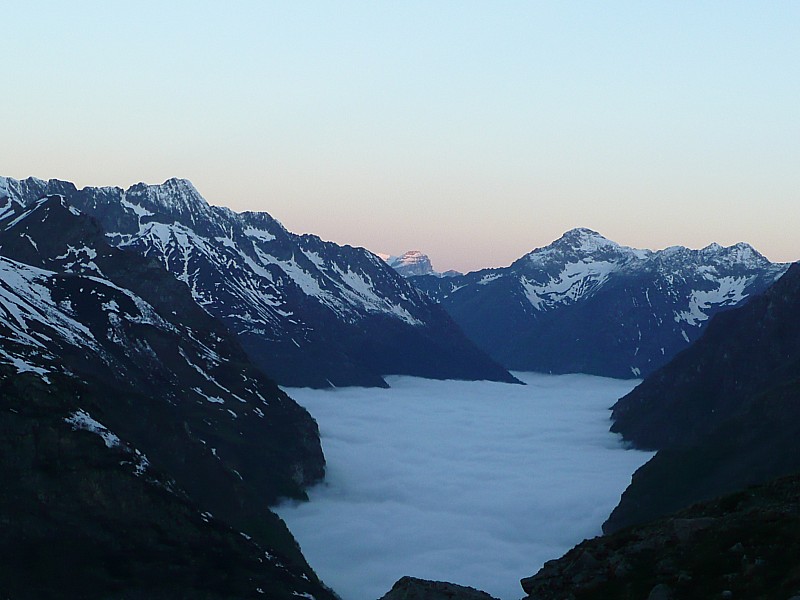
(745, 545)
(411, 588)
(412, 263)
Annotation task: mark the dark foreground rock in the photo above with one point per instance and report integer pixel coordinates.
(745, 545)
(139, 448)
(411, 588)
(84, 515)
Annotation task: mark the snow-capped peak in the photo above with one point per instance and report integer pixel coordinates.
(583, 244)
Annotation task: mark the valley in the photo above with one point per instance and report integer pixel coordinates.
(147, 338)
(478, 483)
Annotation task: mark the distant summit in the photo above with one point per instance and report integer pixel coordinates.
(587, 304)
(414, 263)
(411, 263)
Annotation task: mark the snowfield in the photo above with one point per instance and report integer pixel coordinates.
(477, 483)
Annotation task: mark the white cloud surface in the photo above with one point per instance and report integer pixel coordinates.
(477, 483)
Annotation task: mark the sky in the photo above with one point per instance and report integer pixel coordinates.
(473, 131)
(479, 487)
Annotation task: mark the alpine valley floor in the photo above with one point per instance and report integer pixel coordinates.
(477, 483)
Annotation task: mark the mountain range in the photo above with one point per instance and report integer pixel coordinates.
(586, 304)
(715, 512)
(143, 440)
(135, 430)
(306, 311)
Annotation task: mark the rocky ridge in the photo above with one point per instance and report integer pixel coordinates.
(414, 263)
(307, 312)
(411, 588)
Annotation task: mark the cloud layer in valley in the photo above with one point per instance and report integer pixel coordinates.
(476, 483)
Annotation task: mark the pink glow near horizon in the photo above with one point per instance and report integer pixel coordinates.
(469, 131)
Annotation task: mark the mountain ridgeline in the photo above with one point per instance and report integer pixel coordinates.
(143, 438)
(585, 304)
(307, 312)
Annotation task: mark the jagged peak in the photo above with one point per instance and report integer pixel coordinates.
(740, 253)
(9, 187)
(253, 217)
(174, 200)
(173, 194)
(585, 239)
(739, 247)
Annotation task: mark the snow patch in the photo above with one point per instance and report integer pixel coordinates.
(575, 281)
(80, 419)
(260, 234)
(729, 291)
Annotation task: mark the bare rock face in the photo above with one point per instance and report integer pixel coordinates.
(412, 263)
(411, 588)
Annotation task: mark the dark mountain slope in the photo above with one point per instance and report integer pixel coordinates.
(742, 354)
(725, 413)
(307, 312)
(586, 304)
(84, 515)
(139, 356)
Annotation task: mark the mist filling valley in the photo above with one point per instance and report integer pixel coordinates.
(476, 483)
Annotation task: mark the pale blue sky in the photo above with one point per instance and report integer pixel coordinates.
(474, 131)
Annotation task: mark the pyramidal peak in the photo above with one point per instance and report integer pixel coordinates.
(585, 240)
(582, 244)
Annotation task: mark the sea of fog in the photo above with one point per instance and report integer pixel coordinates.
(476, 483)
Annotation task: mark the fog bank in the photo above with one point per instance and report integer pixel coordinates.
(477, 483)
